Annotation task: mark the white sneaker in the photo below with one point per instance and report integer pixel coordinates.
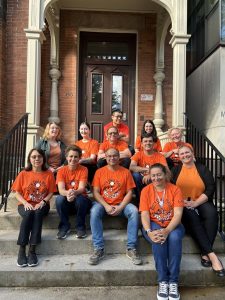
(173, 292)
(163, 291)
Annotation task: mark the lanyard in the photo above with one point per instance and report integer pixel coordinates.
(161, 201)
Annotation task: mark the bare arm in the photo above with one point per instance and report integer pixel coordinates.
(101, 154)
(89, 160)
(125, 153)
(135, 168)
(98, 197)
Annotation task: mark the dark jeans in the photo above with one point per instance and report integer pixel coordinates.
(31, 225)
(124, 162)
(91, 171)
(202, 226)
(139, 185)
(81, 205)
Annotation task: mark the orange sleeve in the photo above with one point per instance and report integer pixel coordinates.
(178, 197)
(144, 199)
(158, 146)
(138, 143)
(52, 184)
(136, 157)
(18, 183)
(96, 179)
(60, 177)
(94, 147)
(83, 174)
(167, 147)
(122, 146)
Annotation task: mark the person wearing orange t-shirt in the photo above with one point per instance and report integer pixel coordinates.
(170, 149)
(33, 188)
(113, 141)
(148, 127)
(112, 189)
(161, 207)
(141, 162)
(89, 149)
(200, 216)
(71, 180)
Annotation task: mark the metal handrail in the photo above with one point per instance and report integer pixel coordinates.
(12, 157)
(207, 154)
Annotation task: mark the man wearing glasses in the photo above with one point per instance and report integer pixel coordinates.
(112, 190)
(114, 141)
(123, 129)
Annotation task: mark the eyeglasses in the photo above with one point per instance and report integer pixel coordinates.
(36, 156)
(118, 117)
(112, 156)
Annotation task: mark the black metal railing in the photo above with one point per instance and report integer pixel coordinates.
(12, 157)
(207, 154)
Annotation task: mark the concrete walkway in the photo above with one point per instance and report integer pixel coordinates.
(102, 293)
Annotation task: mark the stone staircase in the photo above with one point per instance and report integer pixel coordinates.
(64, 263)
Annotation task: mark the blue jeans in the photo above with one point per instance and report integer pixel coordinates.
(139, 185)
(168, 255)
(80, 205)
(97, 213)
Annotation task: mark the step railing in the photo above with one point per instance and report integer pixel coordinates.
(207, 154)
(12, 157)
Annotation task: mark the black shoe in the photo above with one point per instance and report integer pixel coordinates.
(95, 258)
(206, 263)
(221, 272)
(32, 259)
(62, 234)
(22, 259)
(81, 234)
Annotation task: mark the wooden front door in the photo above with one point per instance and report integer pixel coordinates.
(106, 84)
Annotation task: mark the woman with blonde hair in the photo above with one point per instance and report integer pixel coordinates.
(53, 147)
(200, 216)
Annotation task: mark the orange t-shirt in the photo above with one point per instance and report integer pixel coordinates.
(88, 148)
(34, 186)
(190, 183)
(71, 178)
(157, 145)
(161, 215)
(119, 145)
(113, 185)
(122, 128)
(144, 160)
(171, 146)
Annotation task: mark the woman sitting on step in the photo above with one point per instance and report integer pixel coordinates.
(200, 217)
(161, 207)
(33, 188)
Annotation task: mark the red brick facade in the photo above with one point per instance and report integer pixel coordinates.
(13, 95)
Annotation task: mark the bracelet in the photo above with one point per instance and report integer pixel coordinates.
(148, 230)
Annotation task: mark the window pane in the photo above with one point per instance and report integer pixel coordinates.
(117, 92)
(107, 51)
(97, 93)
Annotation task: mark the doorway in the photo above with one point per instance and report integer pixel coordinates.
(107, 79)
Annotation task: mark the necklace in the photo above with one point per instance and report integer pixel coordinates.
(160, 200)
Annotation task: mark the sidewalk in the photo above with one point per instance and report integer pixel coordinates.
(102, 293)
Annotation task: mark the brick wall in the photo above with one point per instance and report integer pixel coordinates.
(2, 77)
(15, 61)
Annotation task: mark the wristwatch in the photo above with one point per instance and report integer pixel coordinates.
(148, 230)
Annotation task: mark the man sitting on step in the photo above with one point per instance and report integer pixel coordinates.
(143, 160)
(71, 180)
(112, 189)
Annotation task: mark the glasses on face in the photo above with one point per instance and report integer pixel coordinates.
(112, 133)
(118, 117)
(112, 156)
(36, 156)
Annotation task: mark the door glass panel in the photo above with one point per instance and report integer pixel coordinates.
(97, 93)
(117, 92)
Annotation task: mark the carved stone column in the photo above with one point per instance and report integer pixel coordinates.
(54, 106)
(158, 115)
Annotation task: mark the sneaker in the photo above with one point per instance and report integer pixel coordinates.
(163, 291)
(95, 258)
(173, 291)
(133, 255)
(62, 234)
(22, 259)
(32, 259)
(81, 234)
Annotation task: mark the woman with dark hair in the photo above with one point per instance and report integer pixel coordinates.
(53, 147)
(148, 127)
(200, 216)
(89, 149)
(33, 188)
(161, 208)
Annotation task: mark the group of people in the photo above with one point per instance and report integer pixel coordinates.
(172, 190)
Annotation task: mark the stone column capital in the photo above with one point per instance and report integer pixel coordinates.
(35, 34)
(54, 73)
(159, 76)
(179, 39)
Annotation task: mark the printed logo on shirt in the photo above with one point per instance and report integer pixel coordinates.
(37, 190)
(111, 189)
(162, 214)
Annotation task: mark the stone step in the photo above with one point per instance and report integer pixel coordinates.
(114, 270)
(115, 243)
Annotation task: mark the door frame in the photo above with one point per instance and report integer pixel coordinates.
(131, 39)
